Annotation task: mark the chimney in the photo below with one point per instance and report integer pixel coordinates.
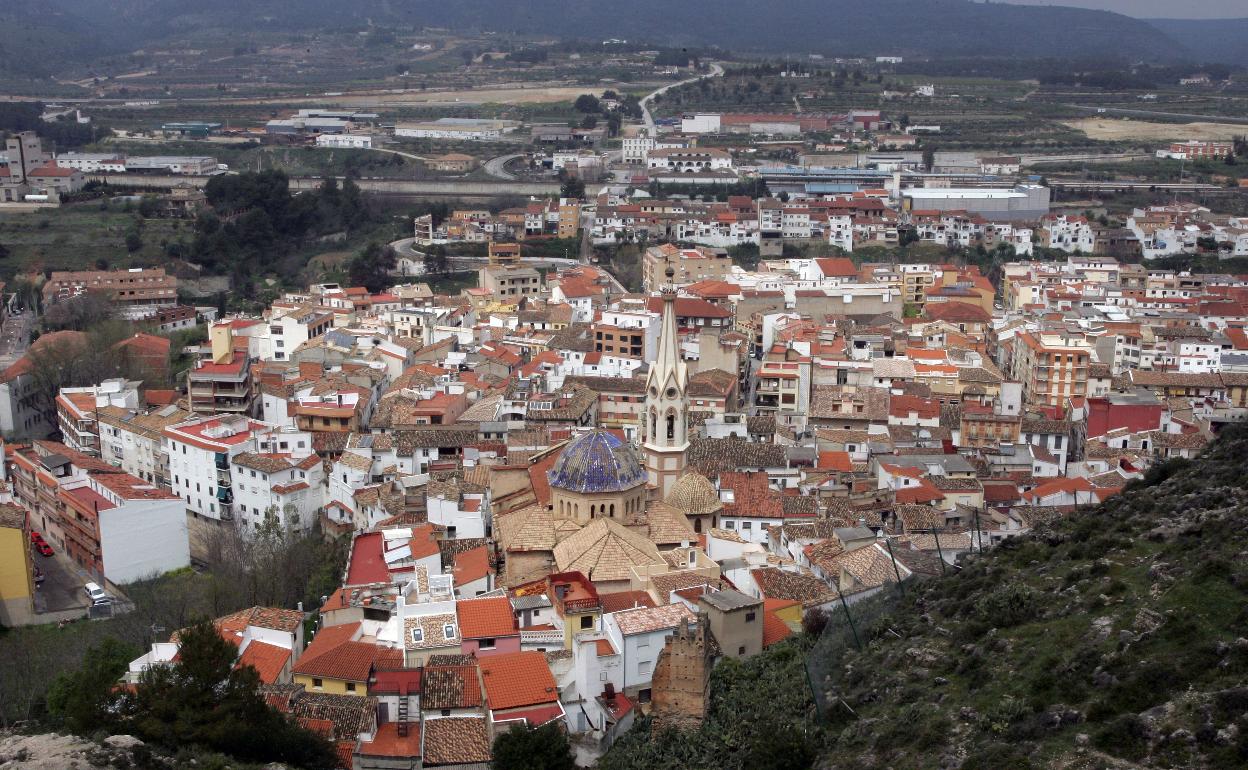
(222, 339)
(608, 692)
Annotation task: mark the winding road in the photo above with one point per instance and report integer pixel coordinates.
(716, 71)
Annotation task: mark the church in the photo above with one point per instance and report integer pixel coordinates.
(609, 512)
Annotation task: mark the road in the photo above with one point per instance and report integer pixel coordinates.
(1156, 114)
(716, 71)
(15, 337)
(496, 167)
(406, 247)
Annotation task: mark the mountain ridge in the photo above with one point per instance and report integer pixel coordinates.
(828, 27)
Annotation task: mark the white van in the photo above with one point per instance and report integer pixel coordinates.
(96, 593)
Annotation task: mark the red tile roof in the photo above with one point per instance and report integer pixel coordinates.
(624, 600)
(267, 659)
(518, 679)
(471, 565)
(367, 564)
(487, 618)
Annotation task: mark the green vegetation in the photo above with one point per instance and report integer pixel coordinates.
(200, 700)
(1117, 630)
(543, 748)
(84, 236)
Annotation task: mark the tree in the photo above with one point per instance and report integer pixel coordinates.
(587, 103)
(1230, 159)
(82, 700)
(436, 262)
(371, 268)
(204, 700)
(572, 187)
(544, 748)
(4, 251)
(589, 121)
(134, 241)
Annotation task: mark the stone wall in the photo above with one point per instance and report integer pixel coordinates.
(680, 686)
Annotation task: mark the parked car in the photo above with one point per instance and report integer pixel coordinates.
(35, 537)
(96, 593)
(43, 548)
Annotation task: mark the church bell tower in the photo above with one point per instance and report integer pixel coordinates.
(666, 420)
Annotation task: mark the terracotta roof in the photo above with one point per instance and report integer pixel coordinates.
(517, 679)
(274, 618)
(267, 659)
(693, 494)
(648, 619)
(432, 631)
(775, 583)
(604, 550)
(331, 656)
(456, 741)
(450, 686)
(624, 600)
(486, 618)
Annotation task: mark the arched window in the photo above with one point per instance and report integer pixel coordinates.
(671, 427)
(613, 510)
(654, 425)
(697, 525)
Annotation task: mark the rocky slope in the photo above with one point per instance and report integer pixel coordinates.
(1114, 638)
(53, 751)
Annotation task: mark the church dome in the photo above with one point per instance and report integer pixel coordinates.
(693, 494)
(596, 462)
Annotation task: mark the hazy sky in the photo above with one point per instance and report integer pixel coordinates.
(1157, 9)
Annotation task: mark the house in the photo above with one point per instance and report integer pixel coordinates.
(520, 689)
(338, 661)
(487, 626)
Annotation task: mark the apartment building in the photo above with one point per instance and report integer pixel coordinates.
(511, 282)
(116, 526)
(200, 458)
(690, 265)
(1051, 367)
(222, 382)
(138, 292)
(134, 441)
(77, 411)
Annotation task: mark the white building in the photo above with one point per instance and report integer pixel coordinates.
(188, 165)
(93, 162)
(348, 141)
(688, 159)
(701, 123)
(461, 129)
(270, 484)
(638, 636)
(142, 527)
(200, 453)
(1068, 233)
(636, 147)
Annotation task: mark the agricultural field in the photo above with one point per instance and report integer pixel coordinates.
(84, 236)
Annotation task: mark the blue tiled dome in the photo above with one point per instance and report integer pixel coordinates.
(597, 462)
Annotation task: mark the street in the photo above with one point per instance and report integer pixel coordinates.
(62, 584)
(15, 337)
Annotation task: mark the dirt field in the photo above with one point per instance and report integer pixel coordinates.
(1114, 129)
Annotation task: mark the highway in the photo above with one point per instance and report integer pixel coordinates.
(412, 188)
(497, 167)
(1156, 114)
(716, 71)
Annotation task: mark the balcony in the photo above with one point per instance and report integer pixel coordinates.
(227, 512)
(225, 496)
(223, 477)
(222, 461)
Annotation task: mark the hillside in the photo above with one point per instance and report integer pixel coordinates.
(838, 27)
(1115, 638)
(1221, 40)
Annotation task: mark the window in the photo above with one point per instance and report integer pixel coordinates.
(741, 650)
(317, 684)
(587, 621)
(746, 526)
(351, 685)
(749, 617)
(643, 642)
(448, 631)
(645, 667)
(418, 635)
(486, 644)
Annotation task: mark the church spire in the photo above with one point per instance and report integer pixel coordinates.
(666, 419)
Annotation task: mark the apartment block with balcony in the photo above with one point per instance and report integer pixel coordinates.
(134, 440)
(201, 450)
(783, 388)
(137, 292)
(116, 526)
(1051, 367)
(222, 382)
(77, 411)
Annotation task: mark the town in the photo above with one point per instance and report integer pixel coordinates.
(584, 409)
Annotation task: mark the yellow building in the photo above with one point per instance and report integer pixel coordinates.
(337, 662)
(17, 589)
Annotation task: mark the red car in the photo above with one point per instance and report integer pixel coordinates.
(40, 544)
